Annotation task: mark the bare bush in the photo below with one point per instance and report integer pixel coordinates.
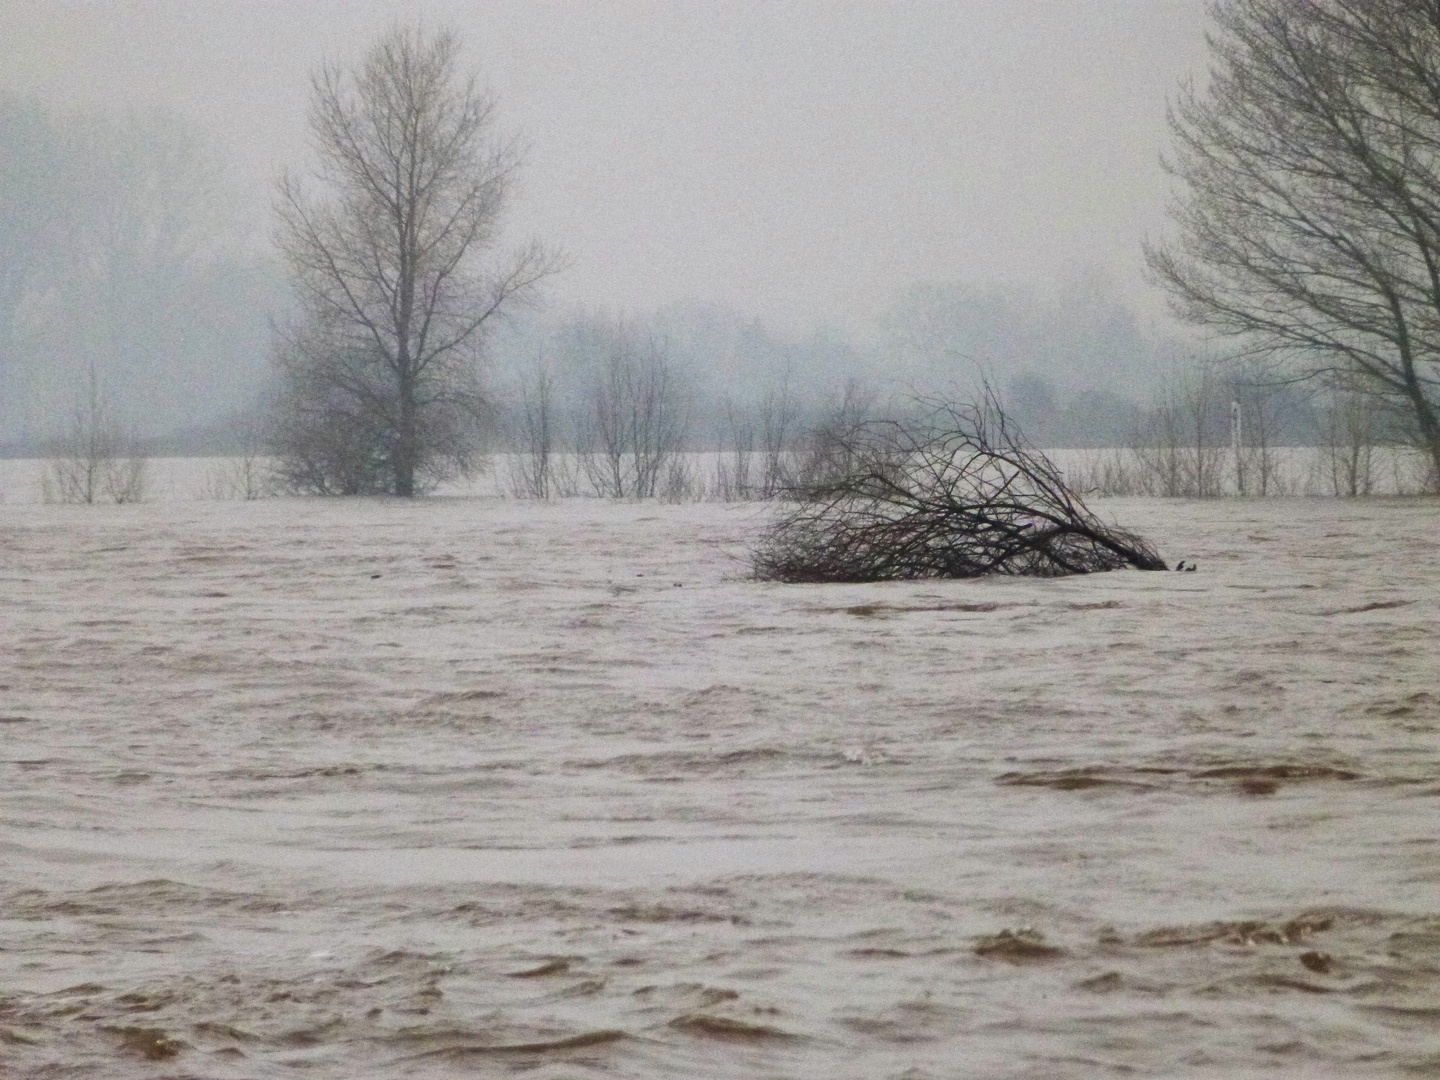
(635, 421)
(127, 476)
(539, 468)
(733, 470)
(763, 447)
(954, 493)
(779, 428)
(1349, 428)
(1109, 472)
(1178, 445)
(681, 481)
(247, 473)
(94, 460)
(829, 453)
(328, 441)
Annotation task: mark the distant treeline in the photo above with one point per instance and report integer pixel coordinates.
(123, 273)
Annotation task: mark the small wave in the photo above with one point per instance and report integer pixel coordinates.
(1017, 946)
(1379, 605)
(150, 1043)
(393, 957)
(879, 954)
(729, 1030)
(1429, 1013)
(687, 995)
(313, 1034)
(669, 763)
(1276, 772)
(1259, 778)
(139, 1001)
(214, 1030)
(875, 609)
(584, 1040)
(1104, 983)
(1067, 780)
(1248, 932)
(462, 697)
(80, 990)
(663, 913)
(552, 967)
(300, 774)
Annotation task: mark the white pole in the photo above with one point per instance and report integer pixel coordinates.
(1236, 443)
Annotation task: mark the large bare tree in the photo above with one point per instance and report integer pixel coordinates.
(1308, 226)
(395, 256)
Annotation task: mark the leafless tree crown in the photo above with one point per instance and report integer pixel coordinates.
(395, 257)
(1308, 224)
(953, 493)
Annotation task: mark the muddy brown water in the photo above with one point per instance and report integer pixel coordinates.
(473, 787)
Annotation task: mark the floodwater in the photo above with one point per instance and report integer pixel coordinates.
(480, 787)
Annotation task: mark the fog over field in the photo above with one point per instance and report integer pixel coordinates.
(877, 190)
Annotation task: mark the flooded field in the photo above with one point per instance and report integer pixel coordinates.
(479, 787)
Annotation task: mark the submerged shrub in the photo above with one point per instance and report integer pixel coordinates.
(951, 493)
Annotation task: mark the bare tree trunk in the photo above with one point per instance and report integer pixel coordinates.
(534, 474)
(403, 464)
(1237, 446)
(1347, 436)
(779, 421)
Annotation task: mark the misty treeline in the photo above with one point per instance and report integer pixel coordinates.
(1305, 232)
(1228, 429)
(639, 409)
(124, 266)
(611, 408)
(125, 277)
(392, 238)
(139, 314)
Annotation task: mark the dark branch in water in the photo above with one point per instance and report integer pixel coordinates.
(953, 493)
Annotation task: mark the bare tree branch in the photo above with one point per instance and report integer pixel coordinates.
(953, 493)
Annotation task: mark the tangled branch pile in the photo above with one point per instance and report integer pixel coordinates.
(954, 493)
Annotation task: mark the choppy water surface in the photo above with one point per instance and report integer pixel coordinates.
(481, 788)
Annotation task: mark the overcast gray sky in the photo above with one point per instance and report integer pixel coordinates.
(801, 161)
